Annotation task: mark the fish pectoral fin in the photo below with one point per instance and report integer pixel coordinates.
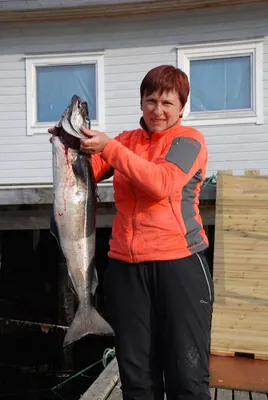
(87, 321)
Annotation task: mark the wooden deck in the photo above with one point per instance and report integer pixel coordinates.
(107, 387)
(216, 394)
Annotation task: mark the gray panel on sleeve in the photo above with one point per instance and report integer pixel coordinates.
(183, 152)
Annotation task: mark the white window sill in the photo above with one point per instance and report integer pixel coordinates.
(42, 128)
(227, 119)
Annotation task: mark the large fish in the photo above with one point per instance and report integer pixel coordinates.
(73, 220)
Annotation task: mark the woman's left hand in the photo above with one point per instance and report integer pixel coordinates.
(95, 143)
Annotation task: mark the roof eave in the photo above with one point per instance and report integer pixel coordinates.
(117, 10)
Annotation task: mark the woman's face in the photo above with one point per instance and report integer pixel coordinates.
(161, 112)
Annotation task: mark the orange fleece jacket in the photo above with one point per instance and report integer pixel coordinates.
(157, 180)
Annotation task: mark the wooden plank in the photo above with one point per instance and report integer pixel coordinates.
(258, 396)
(250, 172)
(239, 320)
(223, 209)
(104, 384)
(255, 266)
(236, 259)
(248, 294)
(222, 353)
(224, 341)
(245, 245)
(233, 274)
(44, 195)
(224, 172)
(241, 395)
(116, 393)
(264, 357)
(241, 303)
(25, 5)
(234, 179)
(223, 394)
(39, 218)
(212, 393)
(14, 326)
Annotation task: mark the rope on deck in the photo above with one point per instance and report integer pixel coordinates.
(104, 384)
(108, 353)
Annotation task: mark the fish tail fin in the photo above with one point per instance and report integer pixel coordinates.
(87, 322)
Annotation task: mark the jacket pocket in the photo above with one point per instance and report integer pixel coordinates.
(174, 215)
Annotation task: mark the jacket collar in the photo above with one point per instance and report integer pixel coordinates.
(157, 134)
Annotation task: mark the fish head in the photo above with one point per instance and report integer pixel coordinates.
(73, 118)
(78, 115)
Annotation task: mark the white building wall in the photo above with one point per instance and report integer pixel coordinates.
(132, 47)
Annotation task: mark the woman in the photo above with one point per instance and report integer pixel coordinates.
(158, 285)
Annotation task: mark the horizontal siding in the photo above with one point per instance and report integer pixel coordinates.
(132, 47)
(6, 91)
(25, 156)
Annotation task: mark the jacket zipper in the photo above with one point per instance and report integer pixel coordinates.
(133, 227)
(206, 276)
(134, 209)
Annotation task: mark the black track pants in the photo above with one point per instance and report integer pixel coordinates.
(161, 314)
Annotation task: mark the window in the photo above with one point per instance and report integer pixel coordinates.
(226, 82)
(52, 80)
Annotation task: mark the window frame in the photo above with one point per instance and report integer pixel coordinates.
(33, 61)
(254, 48)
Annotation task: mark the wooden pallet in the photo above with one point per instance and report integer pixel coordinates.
(253, 356)
(240, 318)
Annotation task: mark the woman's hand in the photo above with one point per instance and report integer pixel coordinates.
(96, 141)
(52, 131)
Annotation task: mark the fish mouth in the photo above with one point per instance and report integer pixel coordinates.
(84, 110)
(75, 101)
(82, 106)
(74, 117)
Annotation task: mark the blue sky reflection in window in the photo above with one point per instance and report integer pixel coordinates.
(57, 84)
(221, 84)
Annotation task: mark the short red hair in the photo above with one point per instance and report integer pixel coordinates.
(166, 78)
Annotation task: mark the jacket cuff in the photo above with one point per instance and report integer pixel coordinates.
(109, 150)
